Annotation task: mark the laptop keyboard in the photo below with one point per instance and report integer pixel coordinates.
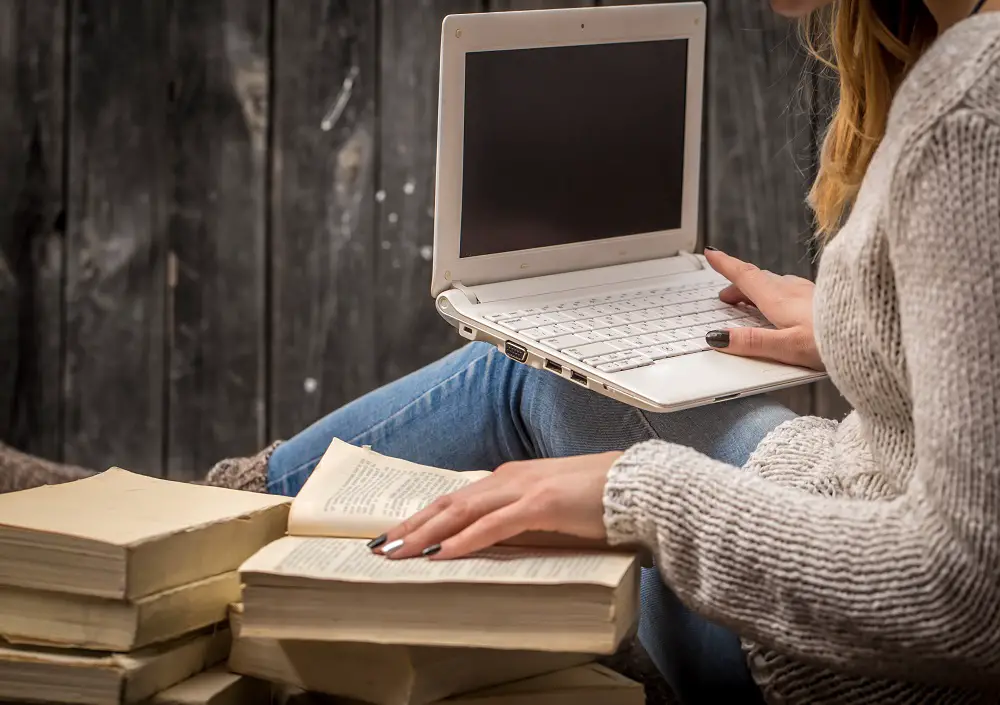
(631, 329)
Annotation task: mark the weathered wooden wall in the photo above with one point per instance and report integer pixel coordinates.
(188, 217)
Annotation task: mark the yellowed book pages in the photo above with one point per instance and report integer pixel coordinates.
(591, 684)
(385, 674)
(328, 589)
(82, 621)
(357, 493)
(35, 674)
(123, 535)
(350, 560)
(216, 687)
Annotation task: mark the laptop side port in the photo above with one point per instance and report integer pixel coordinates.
(554, 366)
(515, 352)
(578, 378)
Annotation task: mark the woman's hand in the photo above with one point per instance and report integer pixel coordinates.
(786, 301)
(563, 495)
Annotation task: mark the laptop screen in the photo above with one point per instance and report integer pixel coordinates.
(571, 144)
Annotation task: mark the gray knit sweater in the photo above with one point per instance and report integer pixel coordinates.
(861, 561)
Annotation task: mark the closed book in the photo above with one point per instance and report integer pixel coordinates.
(77, 677)
(383, 674)
(120, 535)
(592, 684)
(86, 622)
(217, 686)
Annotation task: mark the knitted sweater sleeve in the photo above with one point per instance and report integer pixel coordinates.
(902, 588)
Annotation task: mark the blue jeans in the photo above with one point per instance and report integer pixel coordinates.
(475, 409)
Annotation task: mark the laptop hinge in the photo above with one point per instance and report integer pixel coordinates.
(469, 294)
(696, 261)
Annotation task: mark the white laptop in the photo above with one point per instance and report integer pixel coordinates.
(566, 203)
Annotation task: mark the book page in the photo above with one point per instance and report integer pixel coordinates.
(357, 493)
(350, 560)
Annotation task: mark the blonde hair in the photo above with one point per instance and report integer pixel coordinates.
(871, 45)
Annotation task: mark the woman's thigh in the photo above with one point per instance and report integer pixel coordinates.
(476, 409)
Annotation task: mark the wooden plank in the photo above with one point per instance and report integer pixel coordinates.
(758, 137)
(32, 65)
(118, 166)
(323, 251)
(218, 127)
(410, 333)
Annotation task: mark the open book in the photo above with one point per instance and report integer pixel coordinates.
(355, 492)
(322, 583)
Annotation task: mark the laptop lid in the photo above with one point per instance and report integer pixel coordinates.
(567, 139)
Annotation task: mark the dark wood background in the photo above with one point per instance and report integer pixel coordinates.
(192, 263)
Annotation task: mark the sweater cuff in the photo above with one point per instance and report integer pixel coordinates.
(629, 486)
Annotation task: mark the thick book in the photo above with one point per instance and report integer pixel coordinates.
(385, 674)
(121, 535)
(82, 621)
(592, 684)
(322, 583)
(217, 686)
(76, 677)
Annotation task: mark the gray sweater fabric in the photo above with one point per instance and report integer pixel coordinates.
(860, 561)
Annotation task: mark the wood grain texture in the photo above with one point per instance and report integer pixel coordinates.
(116, 235)
(323, 348)
(32, 78)
(760, 139)
(759, 146)
(410, 333)
(218, 128)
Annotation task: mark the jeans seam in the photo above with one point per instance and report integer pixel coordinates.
(301, 466)
(648, 425)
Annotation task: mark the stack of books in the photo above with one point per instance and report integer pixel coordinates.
(115, 589)
(521, 623)
(124, 589)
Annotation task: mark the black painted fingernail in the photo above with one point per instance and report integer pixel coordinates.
(431, 550)
(713, 249)
(377, 541)
(718, 338)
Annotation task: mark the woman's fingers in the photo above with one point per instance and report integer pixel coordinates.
(792, 346)
(458, 513)
(500, 525)
(418, 519)
(755, 284)
(732, 295)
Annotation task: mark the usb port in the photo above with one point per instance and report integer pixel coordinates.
(578, 378)
(554, 366)
(515, 351)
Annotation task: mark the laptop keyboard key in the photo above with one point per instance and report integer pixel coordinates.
(562, 342)
(595, 336)
(517, 324)
(591, 350)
